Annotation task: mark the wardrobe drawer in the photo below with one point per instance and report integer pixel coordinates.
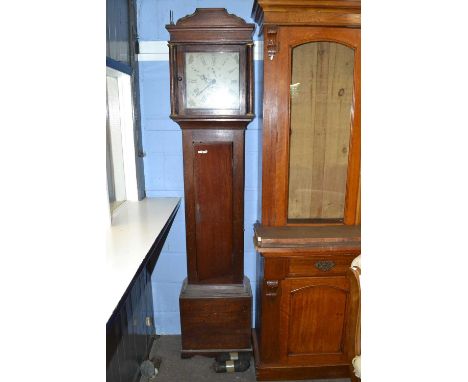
(319, 266)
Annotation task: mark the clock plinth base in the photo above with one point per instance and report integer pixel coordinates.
(215, 318)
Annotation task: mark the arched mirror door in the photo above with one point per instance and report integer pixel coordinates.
(321, 101)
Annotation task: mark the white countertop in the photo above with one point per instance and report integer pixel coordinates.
(135, 227)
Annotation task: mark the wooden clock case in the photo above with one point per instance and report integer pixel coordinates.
(307, 316)
(216, 298)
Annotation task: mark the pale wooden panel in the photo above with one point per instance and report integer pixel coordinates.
(321, 99)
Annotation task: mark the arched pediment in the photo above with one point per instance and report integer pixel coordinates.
(211, 25)
(211, 17)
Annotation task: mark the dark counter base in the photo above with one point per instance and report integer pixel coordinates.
(130, 330)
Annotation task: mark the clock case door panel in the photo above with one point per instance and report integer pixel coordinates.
(277, 125)
(214, 213)
(212, 173)
(181, 85)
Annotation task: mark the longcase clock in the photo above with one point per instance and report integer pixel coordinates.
(211, 64)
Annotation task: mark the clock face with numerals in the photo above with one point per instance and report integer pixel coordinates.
(212, 80)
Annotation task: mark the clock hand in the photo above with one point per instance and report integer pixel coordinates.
(212, 82)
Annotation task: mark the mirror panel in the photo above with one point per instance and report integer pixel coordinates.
(321, 96)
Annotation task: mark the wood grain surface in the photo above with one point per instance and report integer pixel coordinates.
(286, 236)
(213, 209)
(215, 317)
(321, 100)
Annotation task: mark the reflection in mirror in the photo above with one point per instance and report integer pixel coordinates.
(321, 107)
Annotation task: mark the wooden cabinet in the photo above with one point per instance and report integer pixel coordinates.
(309, 231)
(307, 314)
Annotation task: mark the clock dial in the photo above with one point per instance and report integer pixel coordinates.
(212, 80)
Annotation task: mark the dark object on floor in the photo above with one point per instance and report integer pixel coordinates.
(230, 366)
(148, 369)
(232, 356)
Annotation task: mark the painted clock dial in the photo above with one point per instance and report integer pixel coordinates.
(212, 80)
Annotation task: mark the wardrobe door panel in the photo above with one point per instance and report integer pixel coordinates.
(316, 319)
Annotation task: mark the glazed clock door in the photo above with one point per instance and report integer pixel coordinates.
(211, 80)
(317, 123)
(313, 321)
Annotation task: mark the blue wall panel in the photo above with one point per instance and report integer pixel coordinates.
(162, 143)
(153, 15)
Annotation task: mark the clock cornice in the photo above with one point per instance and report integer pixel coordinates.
(211, 25)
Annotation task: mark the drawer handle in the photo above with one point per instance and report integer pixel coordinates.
(324, 265)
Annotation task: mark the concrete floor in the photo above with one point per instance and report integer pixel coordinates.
(198, 368)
